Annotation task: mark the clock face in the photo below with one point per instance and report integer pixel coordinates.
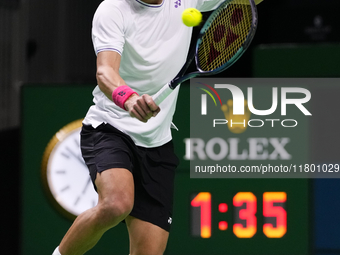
(66, 175)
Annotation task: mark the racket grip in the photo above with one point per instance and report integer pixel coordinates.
(162, 94)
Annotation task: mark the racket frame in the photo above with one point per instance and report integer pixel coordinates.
(241, 50)
(167, 89)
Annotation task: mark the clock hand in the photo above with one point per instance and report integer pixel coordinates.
(80, 159)
(84, 190)
(77, 141)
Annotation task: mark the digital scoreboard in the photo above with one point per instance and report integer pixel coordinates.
(240, 217)
(244, 211)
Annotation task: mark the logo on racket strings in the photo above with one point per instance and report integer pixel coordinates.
(224, 38)
(221, 32)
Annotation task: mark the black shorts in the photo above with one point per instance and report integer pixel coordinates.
(153, 170)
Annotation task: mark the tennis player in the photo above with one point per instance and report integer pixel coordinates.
(126, 139)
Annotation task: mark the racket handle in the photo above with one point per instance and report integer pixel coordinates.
(162, 94)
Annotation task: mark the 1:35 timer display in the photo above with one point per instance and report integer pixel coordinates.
(244, 209)
(240, 217)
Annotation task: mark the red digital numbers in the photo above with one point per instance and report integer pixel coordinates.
(245, 209)
(247, 215)
(203, 200)
(278, 212)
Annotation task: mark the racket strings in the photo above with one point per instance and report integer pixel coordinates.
(225, 35)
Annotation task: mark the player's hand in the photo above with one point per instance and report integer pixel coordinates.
(141, 107)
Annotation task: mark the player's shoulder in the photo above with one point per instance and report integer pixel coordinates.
(111, 5)
(194, 3)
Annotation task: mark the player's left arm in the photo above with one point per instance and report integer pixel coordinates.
(107, 75)
(108, 78)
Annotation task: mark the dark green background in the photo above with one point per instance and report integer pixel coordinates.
(294, 60)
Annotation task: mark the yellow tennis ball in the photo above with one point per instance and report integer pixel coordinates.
(191, 17)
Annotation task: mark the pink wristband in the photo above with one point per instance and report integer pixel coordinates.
(121, 94)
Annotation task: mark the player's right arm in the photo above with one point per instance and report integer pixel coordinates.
(108, 78)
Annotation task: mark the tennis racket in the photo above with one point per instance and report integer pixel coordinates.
(223, 39)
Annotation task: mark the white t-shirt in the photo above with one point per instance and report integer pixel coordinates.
(153, 44)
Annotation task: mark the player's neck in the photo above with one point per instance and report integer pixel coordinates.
(153, 1)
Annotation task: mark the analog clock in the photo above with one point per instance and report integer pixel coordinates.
(65, 175)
